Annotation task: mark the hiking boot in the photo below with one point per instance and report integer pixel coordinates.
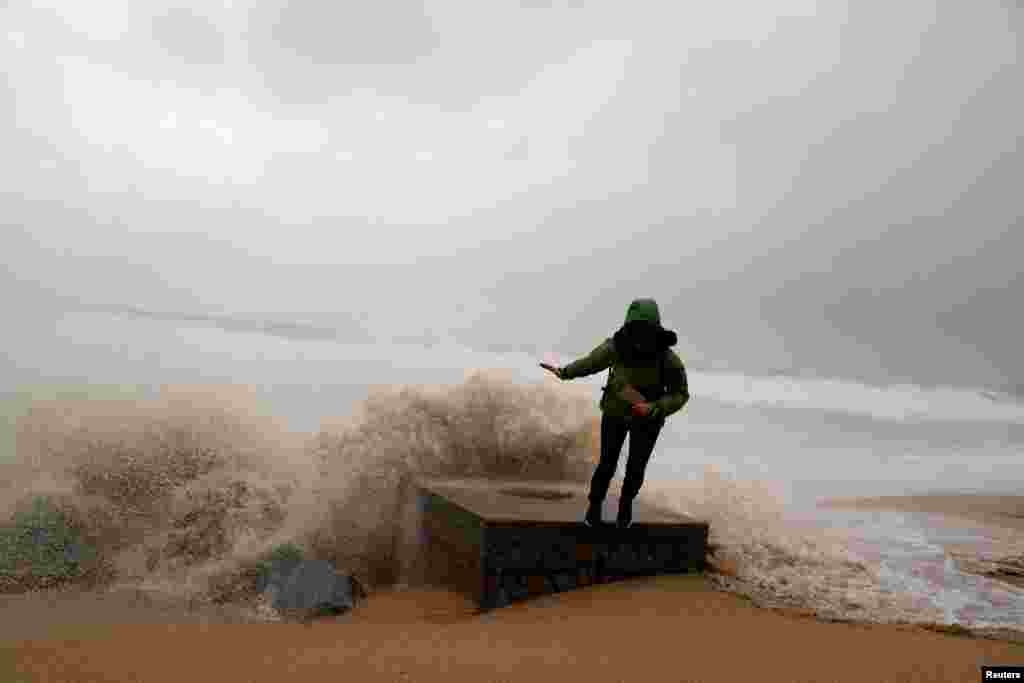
(593, 516)
(624, 520)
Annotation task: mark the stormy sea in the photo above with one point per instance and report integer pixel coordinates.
(177, 453)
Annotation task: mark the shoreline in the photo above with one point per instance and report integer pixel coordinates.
(1002, 515)
(42, 614)
(659, 628)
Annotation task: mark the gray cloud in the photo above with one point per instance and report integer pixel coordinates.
(385, 32)
(830, 189)
(189, 36)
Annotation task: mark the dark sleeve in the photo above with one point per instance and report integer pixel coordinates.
(597, 360)
(678, 390)
(675, 381)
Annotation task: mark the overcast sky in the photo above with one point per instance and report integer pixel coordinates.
(823, 187)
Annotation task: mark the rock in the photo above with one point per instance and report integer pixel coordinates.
(313, 587)
(75, 553)
(277, 573)
(40, 548)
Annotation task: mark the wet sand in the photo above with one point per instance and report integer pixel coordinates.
(660, 629)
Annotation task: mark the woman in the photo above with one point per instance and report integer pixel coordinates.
(646, 384)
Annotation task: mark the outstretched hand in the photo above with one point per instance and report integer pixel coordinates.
(557, 372)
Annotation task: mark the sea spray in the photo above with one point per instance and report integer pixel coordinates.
(777, 564)
(161, 486)
(184, 493)
(488, 426)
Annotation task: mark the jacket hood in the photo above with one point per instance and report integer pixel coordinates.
(645, 310)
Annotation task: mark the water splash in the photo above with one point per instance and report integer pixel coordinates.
(180, 493)
(781, 563)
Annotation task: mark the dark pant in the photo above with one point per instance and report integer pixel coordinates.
(643, 434)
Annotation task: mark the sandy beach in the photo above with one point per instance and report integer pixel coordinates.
(655, 629)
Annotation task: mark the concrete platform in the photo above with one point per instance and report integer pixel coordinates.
(502, 541)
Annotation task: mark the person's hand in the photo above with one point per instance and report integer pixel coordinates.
(557, 372)
(641, 409)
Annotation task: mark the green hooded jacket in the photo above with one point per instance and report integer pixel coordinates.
(667, 393)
